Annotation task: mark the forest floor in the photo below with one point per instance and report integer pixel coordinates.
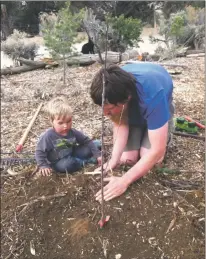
(56, 217)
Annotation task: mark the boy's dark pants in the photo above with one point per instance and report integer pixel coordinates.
(75, 162)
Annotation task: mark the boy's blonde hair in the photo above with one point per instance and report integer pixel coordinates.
(58, 106)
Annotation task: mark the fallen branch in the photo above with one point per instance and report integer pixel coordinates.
(188, 135)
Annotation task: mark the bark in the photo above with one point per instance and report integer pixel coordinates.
(194, 51)
(31, 62)
(21, 69)
(5, 28)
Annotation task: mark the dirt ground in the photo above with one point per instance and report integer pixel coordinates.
(161, 216)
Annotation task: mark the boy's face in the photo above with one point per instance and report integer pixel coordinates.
(62, 125)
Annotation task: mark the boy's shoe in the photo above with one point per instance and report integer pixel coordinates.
(91, 160)
(97, 143)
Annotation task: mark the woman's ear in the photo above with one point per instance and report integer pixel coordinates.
(129, 97)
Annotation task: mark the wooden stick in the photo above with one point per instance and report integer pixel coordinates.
(188, 135)
(93, 173)
(22, 140)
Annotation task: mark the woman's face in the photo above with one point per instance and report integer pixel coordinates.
(112, 109)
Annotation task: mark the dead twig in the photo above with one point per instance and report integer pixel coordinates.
(104, 243)
(95, 213)
(148, 198)
(171, 224)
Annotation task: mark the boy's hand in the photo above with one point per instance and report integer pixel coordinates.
(45, 171)
(99, 160)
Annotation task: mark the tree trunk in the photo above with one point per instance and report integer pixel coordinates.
(5, 28)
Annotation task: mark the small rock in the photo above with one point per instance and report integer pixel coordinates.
(118, 256)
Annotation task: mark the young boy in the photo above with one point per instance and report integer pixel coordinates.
(61, 147)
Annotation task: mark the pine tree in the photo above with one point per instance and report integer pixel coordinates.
(60, 34)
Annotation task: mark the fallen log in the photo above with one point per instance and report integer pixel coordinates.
(194, 51)
(112, 57)
(81, 60)
(29, 65)
(21, 69)
(30, 62)
(195, 55)
(49, 63)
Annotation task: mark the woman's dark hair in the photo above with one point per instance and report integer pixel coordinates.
(119, 85)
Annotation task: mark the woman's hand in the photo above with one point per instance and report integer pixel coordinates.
(116, 186)
(109, 165)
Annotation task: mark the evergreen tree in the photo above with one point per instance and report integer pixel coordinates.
(60, 35)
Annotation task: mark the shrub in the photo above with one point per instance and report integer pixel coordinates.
(183, 28)
(15, 46)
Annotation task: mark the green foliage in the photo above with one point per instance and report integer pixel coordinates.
(183, 28)
(59, 34)
(193, 32)
(127, 30)
(122, 32)
(15, 46)
(177, 22)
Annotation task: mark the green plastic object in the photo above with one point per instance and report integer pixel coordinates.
(183, 125)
